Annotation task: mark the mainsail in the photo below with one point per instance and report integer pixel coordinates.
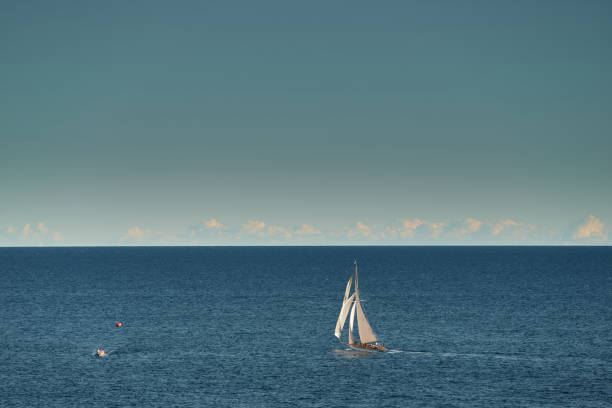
(366, 334)
(343, 313)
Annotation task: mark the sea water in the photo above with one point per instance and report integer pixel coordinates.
(253, 327)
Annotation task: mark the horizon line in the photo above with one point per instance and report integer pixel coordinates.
(304, 246)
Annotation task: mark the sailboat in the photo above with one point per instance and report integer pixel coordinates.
(367, 339)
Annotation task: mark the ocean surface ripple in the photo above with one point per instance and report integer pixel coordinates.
(253, 327)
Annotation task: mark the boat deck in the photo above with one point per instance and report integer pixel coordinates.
(367, 347)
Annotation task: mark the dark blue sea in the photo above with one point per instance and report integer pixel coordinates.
(253, 327)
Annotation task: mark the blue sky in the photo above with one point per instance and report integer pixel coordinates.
(242, 123)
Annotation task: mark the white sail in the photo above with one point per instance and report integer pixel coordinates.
(343, 313)
(348, 289)
(351, 340)
(366, 334)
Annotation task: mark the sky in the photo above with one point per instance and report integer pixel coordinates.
(305, 123)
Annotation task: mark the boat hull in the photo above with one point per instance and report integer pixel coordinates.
(365, 347)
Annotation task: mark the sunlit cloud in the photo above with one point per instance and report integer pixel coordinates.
(140, 236)
(362, 230)
(205, 230)
(514, 230)
(390, 231)
(499, 232)
(263, 230)
(409, 226)
(471, 225)
(213, 224)
(359, 229)
(592, 228)
(306, 229)
(39, 234)
(501, 225)
(415, 229)
(254, 227)
(274, 230)
(136, 234)
(467, 229)
(436, 228)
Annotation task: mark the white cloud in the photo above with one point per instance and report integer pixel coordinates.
(471, 225)
(391, 231)
(403, 230)
(254, 227)
(436, 228)
(205, 230)
(468, 228)
(416, 228)
(41, 234)
(409, 226)
(135, 234)
(306, 229)
(592, 228)
(514, 230)
(261, 229)
(138, 235)
(362, 230)
(503, 224)
(213, 224)
(276, 230)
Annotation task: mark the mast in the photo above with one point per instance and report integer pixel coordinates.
(356, 283)
(366, 334)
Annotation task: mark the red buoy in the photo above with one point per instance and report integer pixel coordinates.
(118, 324)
